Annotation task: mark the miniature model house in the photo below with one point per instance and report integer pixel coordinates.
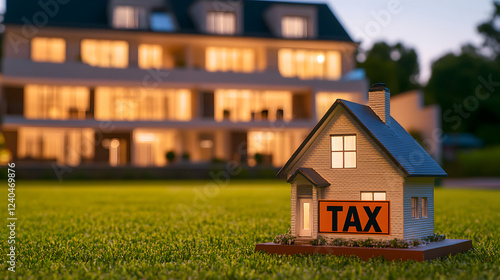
(360, 175)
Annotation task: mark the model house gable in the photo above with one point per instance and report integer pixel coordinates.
(341, 147)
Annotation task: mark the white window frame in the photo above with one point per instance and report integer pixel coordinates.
(424, 207)
(295, 27)
(372, 195)
(223, 23)
(334, 152)
(415, 207)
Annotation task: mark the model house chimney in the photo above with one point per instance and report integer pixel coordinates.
(379, 99)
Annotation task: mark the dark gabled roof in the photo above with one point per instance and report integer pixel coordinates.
(311, 175)
(399, 145)
(94, 14)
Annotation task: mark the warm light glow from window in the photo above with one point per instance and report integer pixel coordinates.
(343, 150)
(324, 100)
(247, 105)
(424, 207)
(307, 223)
(48, 50)
(230, 59)
(373, 196)
(275, 146)
(55, 102)
(150, 146)
(294, 27)
(306, 64)
(150, 56)
(65, 146)
(127, 17)
(221, 23)
(104, 53)
(141, 104)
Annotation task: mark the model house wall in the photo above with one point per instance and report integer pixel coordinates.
(374, 172)
(360, 155)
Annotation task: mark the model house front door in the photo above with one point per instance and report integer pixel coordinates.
(305, 220)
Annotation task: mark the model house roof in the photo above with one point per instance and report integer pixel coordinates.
(94, 14)
(311, 175)
(398, 144)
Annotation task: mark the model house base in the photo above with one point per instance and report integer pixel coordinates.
(431, 251)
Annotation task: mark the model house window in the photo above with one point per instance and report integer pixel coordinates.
(343, 149)
(221, 23)
(113, 103)
(230, 59)
(127, 17)
(424, 207)
(56, 102)
(307, 64)
(373, 196)
(150, 56)
(294, 27)
(48, 50)
(414, 207)
(104, 53)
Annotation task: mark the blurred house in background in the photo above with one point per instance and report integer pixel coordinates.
(142, 83)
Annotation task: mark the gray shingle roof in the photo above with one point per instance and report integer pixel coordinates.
(399, 145)
(311, 175)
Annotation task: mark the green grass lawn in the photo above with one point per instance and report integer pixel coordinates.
(119, 230)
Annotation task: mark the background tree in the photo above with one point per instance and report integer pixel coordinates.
(395, 65)
(490, 30)
(455, 80)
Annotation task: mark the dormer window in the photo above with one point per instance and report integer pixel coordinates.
(221, 23)
(294, 27)
(127, 17)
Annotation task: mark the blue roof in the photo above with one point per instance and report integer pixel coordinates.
(399, 145)
(94, 14)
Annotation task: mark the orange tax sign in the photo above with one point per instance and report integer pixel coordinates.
(365, 217)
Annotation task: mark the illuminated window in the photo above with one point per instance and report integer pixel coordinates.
(343, 151)
(104, 53)
(221, 23)
(414, 207)
(270, 148)
(230, 59)
(306, 64)
(305, 214)
(127, 17)
(150, 146)
(246, 105)
(48, 50)
(64, 146)
(55, 102)
(424, 207)
(294, 27)
(373, 196)
(150, 56)
(141, 104)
